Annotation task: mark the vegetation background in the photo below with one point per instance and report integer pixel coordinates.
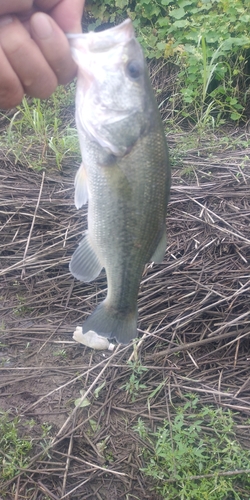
(208, 42)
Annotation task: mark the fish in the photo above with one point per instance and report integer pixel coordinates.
(124, 176)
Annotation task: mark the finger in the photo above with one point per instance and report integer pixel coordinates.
(54, 46)
(27, 61)
(11, 90)
(7, 7)
(68, 15)
(47, 5)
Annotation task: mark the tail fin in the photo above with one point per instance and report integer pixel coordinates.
(112, 324)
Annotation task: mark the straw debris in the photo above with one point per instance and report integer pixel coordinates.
(194, 318)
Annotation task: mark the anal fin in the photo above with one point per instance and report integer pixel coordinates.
(84, 264)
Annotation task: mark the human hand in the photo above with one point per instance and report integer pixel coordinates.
(34, 51)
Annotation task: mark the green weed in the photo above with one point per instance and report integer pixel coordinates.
(196, 455)
(134, 384)
(38, 134)
(208, 40)
(14, 450)
(2, 326)
(60, 353)
(46, 428)
(21, 308)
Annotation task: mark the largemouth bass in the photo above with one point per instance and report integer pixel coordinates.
(124, 175)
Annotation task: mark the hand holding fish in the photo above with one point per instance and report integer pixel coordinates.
(34, 51)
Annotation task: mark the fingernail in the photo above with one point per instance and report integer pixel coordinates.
(41, 25)
(4, 20)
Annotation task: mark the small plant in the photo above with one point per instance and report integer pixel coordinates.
(46, 438)
(2, 331)
(197, 455)
(14, 450)
(134, 384)
(46, 428)
(60, 353)
(82, 402)
(21, 307)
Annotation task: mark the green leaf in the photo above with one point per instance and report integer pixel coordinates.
(245, 18)
(80, 402)
(93, 424)
(161, 45)
(184, 3)
(177, 13)
(121, 4)
(163, 21)
(235, 116)
(233, 101)
(179, 24)
(98, 389)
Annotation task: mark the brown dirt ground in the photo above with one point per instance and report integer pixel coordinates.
(194, 308)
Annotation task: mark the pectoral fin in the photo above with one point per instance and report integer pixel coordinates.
(81, 187)
(160, 250)
(84, 264)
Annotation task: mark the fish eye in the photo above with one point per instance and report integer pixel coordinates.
(134, 69)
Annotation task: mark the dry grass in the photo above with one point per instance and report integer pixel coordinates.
(193, 311)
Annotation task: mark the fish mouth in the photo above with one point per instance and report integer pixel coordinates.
(104, 40)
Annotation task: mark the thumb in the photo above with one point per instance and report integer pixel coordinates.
(68, 15)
